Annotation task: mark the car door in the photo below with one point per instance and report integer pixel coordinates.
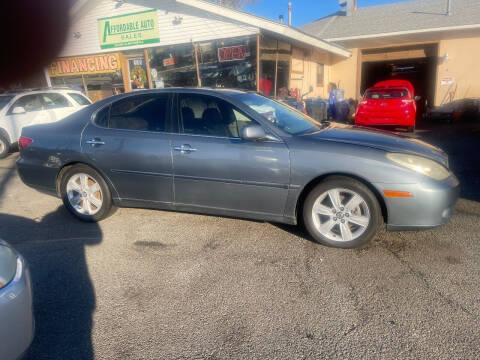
(128, 141)
(216, 169)
(33, 114)
(57, 105)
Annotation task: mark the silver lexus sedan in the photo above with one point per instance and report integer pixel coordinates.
(240, 154)
(16, 314)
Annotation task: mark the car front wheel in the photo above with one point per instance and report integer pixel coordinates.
(85, 193)
(342, 212)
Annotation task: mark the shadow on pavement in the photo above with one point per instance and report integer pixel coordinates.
(64, 296)
(6, 178)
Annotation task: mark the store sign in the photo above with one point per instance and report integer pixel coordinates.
(446, 81)
(82, 65)
(232, 53)
(169, 62)
(127, 30)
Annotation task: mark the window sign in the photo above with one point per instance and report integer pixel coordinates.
(82, 65)
(169, 61)
(138, 73)
(232, 53)
(129, 29)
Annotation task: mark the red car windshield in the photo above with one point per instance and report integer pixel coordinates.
(384, 94)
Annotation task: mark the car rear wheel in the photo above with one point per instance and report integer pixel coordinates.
(342, 212)
(4, 147)
(85, 193)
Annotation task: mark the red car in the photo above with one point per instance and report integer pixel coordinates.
(388, 103)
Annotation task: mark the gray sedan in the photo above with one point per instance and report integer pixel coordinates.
(16, 314)
(234, 153)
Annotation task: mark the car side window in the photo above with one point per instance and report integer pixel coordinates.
(242, 120)
(207, 115)
(55, 101)
(28, 102)
(139, 112)
(101, 119)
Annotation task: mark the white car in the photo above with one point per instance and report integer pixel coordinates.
(32, 107)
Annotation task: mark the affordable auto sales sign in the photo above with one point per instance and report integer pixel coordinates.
(129, 29)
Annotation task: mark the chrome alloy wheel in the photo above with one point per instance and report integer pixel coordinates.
(84, 194)
(340, 214)
(2, 146)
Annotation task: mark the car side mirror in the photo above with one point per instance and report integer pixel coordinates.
(418, 98)
(253, 132)
(18, 110)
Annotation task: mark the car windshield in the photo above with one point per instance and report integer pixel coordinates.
(384, 94)
(4, 100)
(283, 117)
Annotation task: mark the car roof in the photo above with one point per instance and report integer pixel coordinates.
(42, 90)
(203, 90)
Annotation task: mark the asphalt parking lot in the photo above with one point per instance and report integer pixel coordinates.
(147, 284)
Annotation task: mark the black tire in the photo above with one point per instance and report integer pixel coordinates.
(106, 206)
(365, 193)
(4, 147)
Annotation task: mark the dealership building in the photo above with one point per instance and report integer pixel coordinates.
(118, 46)
(433, 43)
(121, 46)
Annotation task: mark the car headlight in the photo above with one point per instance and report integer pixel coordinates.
(421, 165)
(8, 265)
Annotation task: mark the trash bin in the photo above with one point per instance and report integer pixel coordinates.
(317, 108)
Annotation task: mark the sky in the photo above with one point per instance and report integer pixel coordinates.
(303, 11)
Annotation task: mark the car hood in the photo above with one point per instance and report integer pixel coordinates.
(382, 140)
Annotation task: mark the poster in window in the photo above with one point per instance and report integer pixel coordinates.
(232, 53)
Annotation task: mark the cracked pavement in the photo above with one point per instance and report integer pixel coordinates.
(147, 284)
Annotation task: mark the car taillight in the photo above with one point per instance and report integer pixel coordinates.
(408, 101)
(24, 142)
(363, 102)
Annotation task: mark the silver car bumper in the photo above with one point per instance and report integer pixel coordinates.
(16, 314)
(432, 204)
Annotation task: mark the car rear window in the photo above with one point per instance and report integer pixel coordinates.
(80, 99)
(383, 94)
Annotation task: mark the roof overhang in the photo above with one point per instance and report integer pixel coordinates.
(408, 36)
(268, 25)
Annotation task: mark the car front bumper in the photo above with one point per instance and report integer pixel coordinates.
(16, 314)
(432, 204)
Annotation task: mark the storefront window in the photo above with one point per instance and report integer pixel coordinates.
(275, 67)
(228, 63)
(320, 74)
(73, 82)
(173, 66)
(99, 86)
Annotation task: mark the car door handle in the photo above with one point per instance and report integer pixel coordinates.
(95, 142)
(184, 148)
